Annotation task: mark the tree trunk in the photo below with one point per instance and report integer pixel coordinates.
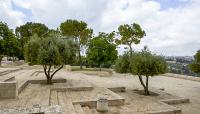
(147, 86)
(1, 57)
(49, 80)
(47, 71)
(141, 81)
(56, 71)
(80, 60)
(131, 50)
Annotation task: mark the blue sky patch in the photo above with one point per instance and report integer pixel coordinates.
(166, 4)
(26, 12)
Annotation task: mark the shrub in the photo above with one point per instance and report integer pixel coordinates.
(122, 64)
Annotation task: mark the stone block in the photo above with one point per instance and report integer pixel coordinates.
(8, 90)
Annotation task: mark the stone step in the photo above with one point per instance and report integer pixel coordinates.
(9, 71)
(22, 85)
(7, 78)
(53, 98)
(40, 96)
(66, 103)
(44, 96)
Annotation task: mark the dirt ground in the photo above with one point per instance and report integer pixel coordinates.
(178, 87)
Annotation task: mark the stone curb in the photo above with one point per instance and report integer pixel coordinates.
(182, 77)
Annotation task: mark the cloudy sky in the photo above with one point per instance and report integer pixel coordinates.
(172, 26)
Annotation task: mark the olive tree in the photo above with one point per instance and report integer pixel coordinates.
(195, 66)
(146, 64)
(52, 52)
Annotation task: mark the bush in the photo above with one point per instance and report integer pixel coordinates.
(195, 65)
(122, 64)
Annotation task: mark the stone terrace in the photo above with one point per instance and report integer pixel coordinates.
(79, 94)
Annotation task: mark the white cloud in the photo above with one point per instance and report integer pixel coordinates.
(10, 16)
(172, 31)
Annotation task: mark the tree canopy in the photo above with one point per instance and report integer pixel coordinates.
(146, 64)
(101, 50)
(79, 31)
(130, 34)
(9, 44)
(29, 29)
(195, 66)
(142, 63)
(24, 32)
(53, 50)
(122, 63)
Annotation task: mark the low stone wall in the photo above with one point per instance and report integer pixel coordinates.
(8, 90)
(182, 77)
(25, 83)
(118, 89)
(59, 80)
(12, 78)
(176, 101)
(169, 111)
(22, 86)
(61, 89)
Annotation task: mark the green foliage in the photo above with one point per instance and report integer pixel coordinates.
(52, 50)
(29, 29)
(122, 64)
(31, 50)
(76, 29)
(195, 66)
(26, 31)
(142, 63)
(79, 31)
(130, 34)
(9, 44)
(147, 64)
(101, 51)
